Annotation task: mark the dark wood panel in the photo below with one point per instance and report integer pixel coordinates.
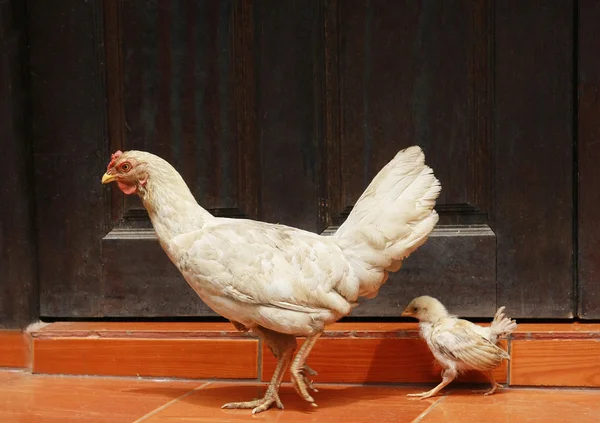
(417, 73)
(179, 87)
(18, 273)
(284, 111)
(420, 73)
(534, 156)
(589, 154)
(140, 280)
(288, 44)
(69, 134)
(457, 265)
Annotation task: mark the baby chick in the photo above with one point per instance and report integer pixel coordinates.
(458, 344)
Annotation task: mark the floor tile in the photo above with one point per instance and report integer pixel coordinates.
(517, 406)
(336, 404)
(32, 398)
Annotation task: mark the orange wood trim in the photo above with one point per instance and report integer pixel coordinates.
(557, 362)
(348, 360)
(14, 349)
(181, 358)
(564, 354)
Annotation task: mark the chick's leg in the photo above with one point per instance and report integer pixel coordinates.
(300, 370)
(495, 385)
(448, 376)
(282, 346)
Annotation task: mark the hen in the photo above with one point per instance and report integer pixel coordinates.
(278, 281)
(458, 344)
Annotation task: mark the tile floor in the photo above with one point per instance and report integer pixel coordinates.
(37, 398)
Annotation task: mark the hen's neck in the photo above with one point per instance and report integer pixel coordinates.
(172, 208)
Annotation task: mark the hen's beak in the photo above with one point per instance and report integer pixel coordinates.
(107, 178)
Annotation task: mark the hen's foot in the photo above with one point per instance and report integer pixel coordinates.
(258, 405)
(493, 389)
(308, 371)
(302, 382)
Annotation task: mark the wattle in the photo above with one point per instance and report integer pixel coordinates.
(126, 188)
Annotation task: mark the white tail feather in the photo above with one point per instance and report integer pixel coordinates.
(502, 326)
(391, 219)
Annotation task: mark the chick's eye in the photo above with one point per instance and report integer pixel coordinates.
(415, 309)
(125, 167)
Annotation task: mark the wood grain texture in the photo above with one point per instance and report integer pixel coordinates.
(456, 265)
(140, 280)
(181, 84)
(374, 361)
(588, 153)
(69, 143)
(557, 331)
(337, 330)
(14, 349)
(182, 358)
(18, 271)
(287, 44)
(395, 61)
(534, 157)
(558, 362)
(285, 111)
(391, 97)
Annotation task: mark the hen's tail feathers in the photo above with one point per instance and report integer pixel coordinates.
(395, 214)
(502, 326)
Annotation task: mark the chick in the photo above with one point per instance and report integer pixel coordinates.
(458, 344)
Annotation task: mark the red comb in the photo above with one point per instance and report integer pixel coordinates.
(113, 158)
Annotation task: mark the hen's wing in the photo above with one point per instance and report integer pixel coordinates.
(460, 340)
(257, 270)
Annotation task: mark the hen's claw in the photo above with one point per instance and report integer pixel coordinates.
(258, 405)
(308, 371)
(301, 382)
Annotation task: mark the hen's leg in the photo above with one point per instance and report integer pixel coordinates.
(282, 346)
(448, 376)
(495, 385)
(300, 370)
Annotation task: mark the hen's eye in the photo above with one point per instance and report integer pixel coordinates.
(125, 167)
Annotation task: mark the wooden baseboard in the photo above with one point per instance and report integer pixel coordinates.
(15, 350)
(542, 354)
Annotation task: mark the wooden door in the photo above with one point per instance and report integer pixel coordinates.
(283, 111)
(588, 150)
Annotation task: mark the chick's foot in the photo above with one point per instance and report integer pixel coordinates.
(493, 389)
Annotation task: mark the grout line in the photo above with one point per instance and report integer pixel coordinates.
(162, 407)
(428, 409)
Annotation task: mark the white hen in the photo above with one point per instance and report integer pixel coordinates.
(281, 282)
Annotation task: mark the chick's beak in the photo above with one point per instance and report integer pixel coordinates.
(107, 178)
(407, 313)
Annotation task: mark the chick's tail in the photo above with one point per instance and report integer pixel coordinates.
(502, 326)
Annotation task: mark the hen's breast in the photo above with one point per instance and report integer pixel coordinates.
(281, 278)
